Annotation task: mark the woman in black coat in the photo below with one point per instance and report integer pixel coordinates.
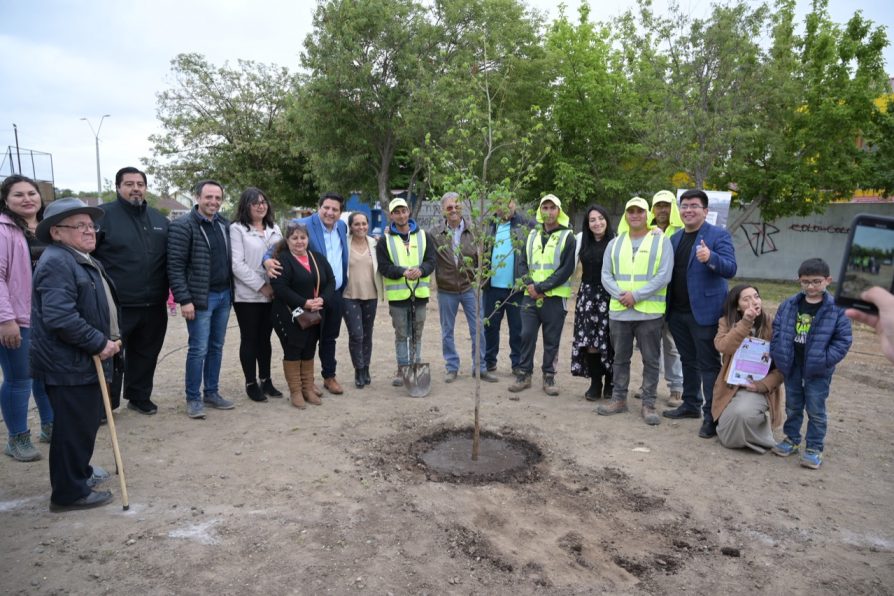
(306, 284)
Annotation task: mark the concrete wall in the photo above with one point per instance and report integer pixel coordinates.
(775, 250)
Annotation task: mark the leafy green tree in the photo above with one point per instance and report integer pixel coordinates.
(229, 124)
(597, 155)
(489, 157)
(370, 69)
(817, 101)
(698, 81)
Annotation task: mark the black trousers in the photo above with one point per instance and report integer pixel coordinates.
(255, 326)
(143, 334)
(77, 410)
(551, 314)
(329, 333)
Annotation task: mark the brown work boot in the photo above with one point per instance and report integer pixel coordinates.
(650, 416)
(615, 406)
(292, 371)
(549, 385)
(675, 400)
(333, 386)
(522, 382)
(307, 383)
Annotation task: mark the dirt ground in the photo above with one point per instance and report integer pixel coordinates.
(269, 499)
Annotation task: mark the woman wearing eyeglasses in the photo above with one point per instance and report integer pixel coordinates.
(20, 211)
(252, 234)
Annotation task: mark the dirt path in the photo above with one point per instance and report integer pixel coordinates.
(269, 499)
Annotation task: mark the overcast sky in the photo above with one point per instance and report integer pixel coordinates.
(61, 60)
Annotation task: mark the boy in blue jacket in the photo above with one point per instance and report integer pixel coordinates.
(810, 336)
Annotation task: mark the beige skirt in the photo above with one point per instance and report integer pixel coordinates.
(745, 422)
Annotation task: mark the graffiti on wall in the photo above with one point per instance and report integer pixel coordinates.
(759, 235)
(809, 227)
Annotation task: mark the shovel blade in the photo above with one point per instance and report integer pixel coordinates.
(417, 379)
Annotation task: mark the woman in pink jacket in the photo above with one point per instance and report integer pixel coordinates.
(20, 210)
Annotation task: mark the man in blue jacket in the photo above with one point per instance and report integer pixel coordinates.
(704, 258)
(327, 235)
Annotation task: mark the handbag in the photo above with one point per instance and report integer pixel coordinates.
(305, 318)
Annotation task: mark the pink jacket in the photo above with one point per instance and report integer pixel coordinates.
(15, 274)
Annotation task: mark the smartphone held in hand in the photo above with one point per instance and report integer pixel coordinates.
(868, 261)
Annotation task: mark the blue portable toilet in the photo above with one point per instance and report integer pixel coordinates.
(375, 214)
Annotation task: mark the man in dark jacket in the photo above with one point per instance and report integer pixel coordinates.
(457, 260)
(547, 266)
(74, 317)
(132, 247)
(406, 259)
(500, 294)
(199, 257)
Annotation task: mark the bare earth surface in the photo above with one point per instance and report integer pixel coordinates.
(269, 499)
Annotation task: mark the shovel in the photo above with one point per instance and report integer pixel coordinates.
(416, 375)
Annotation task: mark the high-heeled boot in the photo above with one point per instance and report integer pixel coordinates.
(292, 371)
(307, 383)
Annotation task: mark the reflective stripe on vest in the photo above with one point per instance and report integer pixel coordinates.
(632, 272)
(411, 256)
(543, 261)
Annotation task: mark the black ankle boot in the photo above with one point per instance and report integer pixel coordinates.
(358, 378)
(366, 378)
(268, 388)
(609, 385)
(596, 370)
(254, 392)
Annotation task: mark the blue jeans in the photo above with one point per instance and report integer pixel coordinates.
(701, 361)
(400, 320)
(493, 316)
(809, 394)
(448, 307)
(206, 340)
(17, 387)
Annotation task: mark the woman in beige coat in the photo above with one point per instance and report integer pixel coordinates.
(745, 414)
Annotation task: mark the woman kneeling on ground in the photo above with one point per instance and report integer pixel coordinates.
(306, 283)
(742, 410)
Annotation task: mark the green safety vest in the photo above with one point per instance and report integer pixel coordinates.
(544, 260)
(632, 272)
(406, 256)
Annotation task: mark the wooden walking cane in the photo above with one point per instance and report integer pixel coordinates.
(108, 405)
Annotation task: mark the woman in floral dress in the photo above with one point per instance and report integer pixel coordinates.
(591, 352)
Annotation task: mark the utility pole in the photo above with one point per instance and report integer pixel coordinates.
(96, 136)
(18, 153)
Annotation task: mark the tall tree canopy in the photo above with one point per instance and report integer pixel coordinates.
(229, 124)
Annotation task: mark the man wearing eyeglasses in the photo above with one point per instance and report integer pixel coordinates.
(704, 258)
(457, 259)
(199, 257)
(75, 317)
(132, 246)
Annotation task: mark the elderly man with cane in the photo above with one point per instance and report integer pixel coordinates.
(75, 317)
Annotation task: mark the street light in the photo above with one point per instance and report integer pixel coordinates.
(96, 135)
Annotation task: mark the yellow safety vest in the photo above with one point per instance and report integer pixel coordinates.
(406, 256)
(632, 272)
(544, 260)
